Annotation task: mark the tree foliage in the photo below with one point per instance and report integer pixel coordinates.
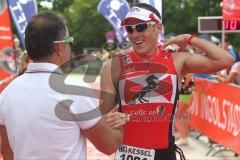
(180, 16)
(88, 27)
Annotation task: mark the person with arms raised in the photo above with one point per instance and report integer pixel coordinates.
(146, 82)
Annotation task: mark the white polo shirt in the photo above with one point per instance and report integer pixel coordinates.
(27, 109)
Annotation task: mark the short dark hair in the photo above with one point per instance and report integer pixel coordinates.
(148, 7)
(40, 33)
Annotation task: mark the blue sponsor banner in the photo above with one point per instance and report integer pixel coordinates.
(22, 11)
(115, 11)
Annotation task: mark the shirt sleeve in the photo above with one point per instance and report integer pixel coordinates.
(86, 111)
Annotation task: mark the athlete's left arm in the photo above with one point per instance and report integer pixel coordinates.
(215, 59)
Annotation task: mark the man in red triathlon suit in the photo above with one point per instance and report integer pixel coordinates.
(145, 81)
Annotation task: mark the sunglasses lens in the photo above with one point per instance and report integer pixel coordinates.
(141, 27)
(138, 27)
(129, 29)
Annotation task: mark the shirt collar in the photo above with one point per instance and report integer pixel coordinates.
(43, 67)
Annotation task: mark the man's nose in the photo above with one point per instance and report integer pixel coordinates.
(134, 33)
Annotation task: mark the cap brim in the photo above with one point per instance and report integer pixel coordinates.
(143, 19)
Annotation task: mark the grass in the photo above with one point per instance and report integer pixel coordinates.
(185, 98)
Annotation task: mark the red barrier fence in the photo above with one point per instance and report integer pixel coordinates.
(215, 112)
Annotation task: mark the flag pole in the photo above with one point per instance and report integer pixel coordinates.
(223, 32)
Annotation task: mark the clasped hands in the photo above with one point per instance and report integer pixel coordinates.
(116, 119)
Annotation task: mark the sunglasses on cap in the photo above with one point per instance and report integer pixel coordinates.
(138, 27)
(69, 40)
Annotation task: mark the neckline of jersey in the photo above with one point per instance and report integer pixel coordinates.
(146, 56)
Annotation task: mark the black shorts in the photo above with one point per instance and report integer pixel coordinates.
(170, 152)
(165, 154)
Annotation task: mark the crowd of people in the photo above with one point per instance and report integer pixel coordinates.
(42, 118)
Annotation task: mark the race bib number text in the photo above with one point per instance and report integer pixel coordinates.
(134, 153)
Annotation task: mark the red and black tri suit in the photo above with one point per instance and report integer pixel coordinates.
(148, 91)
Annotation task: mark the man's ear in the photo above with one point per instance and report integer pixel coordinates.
(158, 28)
(59, 49)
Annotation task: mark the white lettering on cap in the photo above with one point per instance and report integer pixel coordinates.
(135, 9)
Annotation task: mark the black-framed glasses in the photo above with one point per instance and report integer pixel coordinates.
(69, 40)
(138, 27)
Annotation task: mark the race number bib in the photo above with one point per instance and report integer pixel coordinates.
(126, 152)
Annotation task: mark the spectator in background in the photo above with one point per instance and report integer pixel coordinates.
(231, 49)
(232, 75)
(18, 52)
(23, 66)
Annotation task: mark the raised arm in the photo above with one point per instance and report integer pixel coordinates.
(215, 58)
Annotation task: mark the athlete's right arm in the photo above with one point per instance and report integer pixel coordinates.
(107, 136)
(108, 85)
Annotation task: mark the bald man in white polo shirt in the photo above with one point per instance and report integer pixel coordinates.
(30, 108)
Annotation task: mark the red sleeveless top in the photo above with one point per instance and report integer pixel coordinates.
(148, 91)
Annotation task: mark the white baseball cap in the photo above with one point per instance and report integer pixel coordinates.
(141, 14)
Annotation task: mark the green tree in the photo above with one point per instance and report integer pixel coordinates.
(86, 24)
(88, 27)
(181, 16)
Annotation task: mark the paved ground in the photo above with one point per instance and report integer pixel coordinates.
(196, 150)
